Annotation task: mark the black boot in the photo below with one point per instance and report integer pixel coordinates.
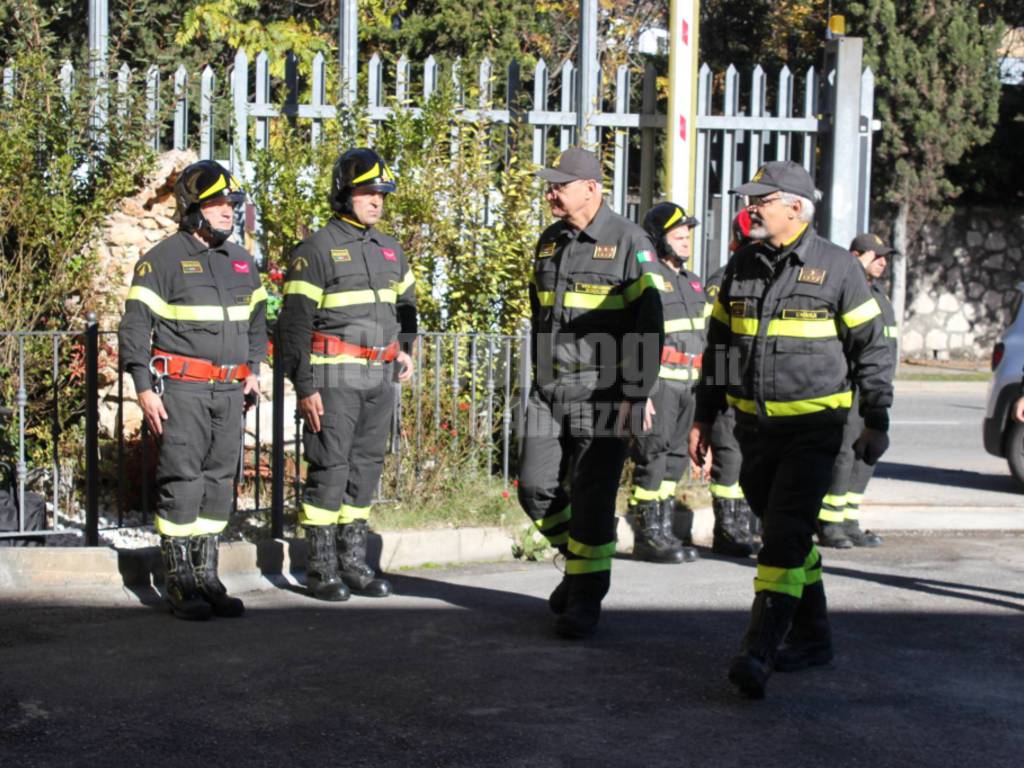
(359, 576)
(649, 543)
(322, 579)
(748, 523)
(833, 535)
(731, 536)
(583, 604)
(860, 538)
(677, 527)
(204, 561)
(770, 618)
(809, 643)
(180, 580)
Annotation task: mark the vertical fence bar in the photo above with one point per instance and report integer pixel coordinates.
(124, 79)
(455, 387)
(588, 101)
(540, 104)
(122, 476)
(784, 109)
(206, 85)
(755, 139)
(92, 457)
(21, 400)
(620, 178)
(180, 108)
(153, 105)
(701, 257)
(238, 151)
(55, 423)
(568, 92)
(437, 382)
(513, 103)
(402, 73)
(262, 133)
(429, 78)
(525, 373)
(810, 110)
(648, 138)
(472, 400)
(418, 393)
(277, 478)
(374, 90)
(732, 98)
(67, 80)
(489, 413)
(317, 95)
(506, 415)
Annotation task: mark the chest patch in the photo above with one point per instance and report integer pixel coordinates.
(695, 284)
(243, 299)
(667, 287)
(605, 252)
(341, 254)
(242, 267)
(595, 290)
(811, 275)
(192, 267)
(389, 255)
(806, 314)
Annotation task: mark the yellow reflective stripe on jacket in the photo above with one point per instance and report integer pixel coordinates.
(574, 300)
(684, 324)
(793, 407)
(641, 284)
(591, 551)
(744, 326)
(862, 314)
(239, 313)
(546, 298)
(679, 374)
(160, 308)
(336, 359)
(405, 283)
(803, 329)
(260, 294)
(364, 296)
(707, 309)
(302, 288)
(719, 313)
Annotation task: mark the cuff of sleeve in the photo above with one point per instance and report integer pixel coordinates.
(877, 418)
(304, 390)
(142, 379)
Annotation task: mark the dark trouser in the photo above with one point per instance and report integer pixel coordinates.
(569, 474)
(725, 458)
(785, 475)
(849, 475)
(661, 454)
(346, 457)
(199, 457)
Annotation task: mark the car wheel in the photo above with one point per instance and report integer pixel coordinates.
(1015, 450)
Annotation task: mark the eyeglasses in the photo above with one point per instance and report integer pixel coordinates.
(760, 201)
(558, 187)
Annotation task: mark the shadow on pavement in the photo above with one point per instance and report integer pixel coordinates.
(959, 478)
(970, 592)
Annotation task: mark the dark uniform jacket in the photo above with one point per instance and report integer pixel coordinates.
(804, 329)
(892, 330)
(348, 281)
(685, 306)
(191, 300)
(596, 315)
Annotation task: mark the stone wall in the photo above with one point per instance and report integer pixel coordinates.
(959, 294)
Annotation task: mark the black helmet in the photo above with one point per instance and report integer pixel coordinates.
(201, 183)
(358, 168)
(662, 219)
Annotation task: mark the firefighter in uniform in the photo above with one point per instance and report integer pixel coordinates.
(797, 314)
(734, 522)
(192, 338)
(349, 317)
(660, 455)
(838, 520)
(596, 338)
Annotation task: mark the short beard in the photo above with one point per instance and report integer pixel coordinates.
(757, 231)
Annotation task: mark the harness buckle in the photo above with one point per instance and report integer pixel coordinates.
(157, 374)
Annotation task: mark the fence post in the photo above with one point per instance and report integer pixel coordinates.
(277, 448)
(92, 420)
(587, 101)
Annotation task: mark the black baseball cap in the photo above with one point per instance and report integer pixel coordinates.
(778, 176)
(573, 164)
(869, 241)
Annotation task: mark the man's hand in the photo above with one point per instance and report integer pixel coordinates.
(870, 446)
(312, 408)
(700, 448)
(624, 419)
(1018, 409)
(153, 410)
(251, 391)
(405, 367)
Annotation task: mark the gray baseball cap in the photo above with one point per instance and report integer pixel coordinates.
(572, 165)
(778, 176)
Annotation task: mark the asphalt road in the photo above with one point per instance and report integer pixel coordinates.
(462, 669)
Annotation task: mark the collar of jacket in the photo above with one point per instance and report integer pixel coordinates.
(596, 227)
(194, 246)
(794, 246)
(350, 229)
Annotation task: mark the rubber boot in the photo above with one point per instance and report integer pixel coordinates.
(748, 523)
(180, 580)
(860, 538)
(677, 526)
(558, 600)
(359, 576)
(649, 543)
(583, 606)
(770, 619)
(204, 562)
(833, 535)
(322, 579)
(731, 538)
(809, 643)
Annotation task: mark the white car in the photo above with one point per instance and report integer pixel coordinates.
(1002, 434)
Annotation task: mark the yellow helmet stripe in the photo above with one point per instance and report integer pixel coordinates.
(216, 187)
(676, 216)
(370, 174)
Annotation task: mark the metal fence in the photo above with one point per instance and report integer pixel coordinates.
(466, 398)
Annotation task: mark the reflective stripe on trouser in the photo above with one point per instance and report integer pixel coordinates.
(789, 581)
(725, 457)
(833, 507)
(569, 474)
(785, 476)
(199, 452)
(660, 455)
(346, 456)
(853, 501)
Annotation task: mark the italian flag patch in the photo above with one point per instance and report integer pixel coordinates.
(644, 256)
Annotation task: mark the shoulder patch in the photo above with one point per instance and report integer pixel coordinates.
(299, 264)
(711, 290)
(191, 267)
(242, 267)
(341, 254)
(547, 250)
(811, 275)
(644, 256)
(389, 254)
(143, 268)
(695, 284)
(605, 252)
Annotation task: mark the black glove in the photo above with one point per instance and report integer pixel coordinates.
(870, 446)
